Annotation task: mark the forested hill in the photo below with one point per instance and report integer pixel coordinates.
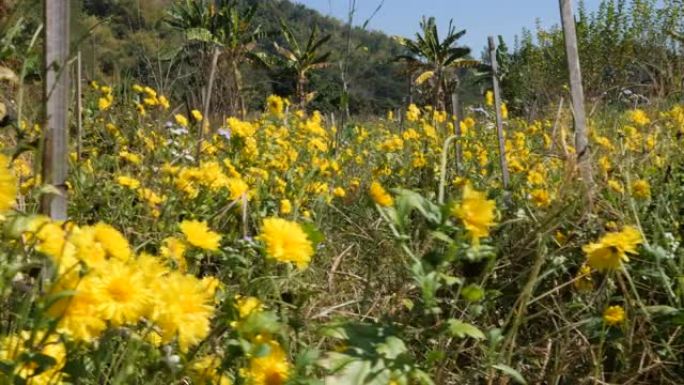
(130, 39)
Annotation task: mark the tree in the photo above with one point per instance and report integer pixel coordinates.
(227, 29)
(436, 58)
(299, 59)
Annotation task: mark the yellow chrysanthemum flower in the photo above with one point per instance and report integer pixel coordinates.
(275, 105)
(86, 248)
(197, 115)
(78, 314)
(489, 98)
(339, 192)
(584, 282)
(113, 242)
(127, 181)
(174, 249)
(476, 213)
(183, 308)
(271, 369)
(641, 189)
(412, 113)
(504, 111)
(181, 120)
(614, 315)
(612, 249)
(164, 102)
(616, 186)
(638, 117)
(286, 241)
(130, 157)
(380, 196)
(104, 103)
(121, 293)
(8, 185)
(540, 197)
(237, 188)
(285, 206)
(248, 305)
(206, 371)
(199, 235)
(14, 349)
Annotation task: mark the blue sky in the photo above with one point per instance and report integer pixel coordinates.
(479, 17)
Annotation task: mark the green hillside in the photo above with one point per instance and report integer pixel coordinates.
(128, 39)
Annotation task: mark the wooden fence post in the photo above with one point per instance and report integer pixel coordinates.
(207, 102)
(577, 93)
(79, 105)
(456, 114)
(56, 94)
(499, 118)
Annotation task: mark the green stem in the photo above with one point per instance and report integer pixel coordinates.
(442, 170)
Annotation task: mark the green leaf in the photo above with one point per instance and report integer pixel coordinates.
(307, 358)
(514, 374)
(51, 299)
(351, 373)
(201, 34)
(661, 310)
(262, 350)
(408, 304)
(43, 361)
(50, 189)
(392, 348)
(472, 293)
(462, 329)
(440, 236)
(314, 235)
(495, 336)
(6, 367)
(407, 201)
(450, 281)
(422, 378)
(75, 368)
(435, 356)
(334, 362)
(658, 253)
(260, 322)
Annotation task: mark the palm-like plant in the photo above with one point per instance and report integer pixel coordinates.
(436, 59)
(300, 59)
(223, 27)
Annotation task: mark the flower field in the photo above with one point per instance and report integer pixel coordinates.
(242, 192)
(282, 249)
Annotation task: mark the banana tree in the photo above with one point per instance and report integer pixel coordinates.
(436, 59)
(226, 29)
(300, 59)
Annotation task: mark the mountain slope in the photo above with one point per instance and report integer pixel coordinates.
(126, 37)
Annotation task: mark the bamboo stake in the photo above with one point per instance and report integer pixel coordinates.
(79, 105)
(499, 118)
(207, 101)
(56, 93)
(577, 94)
(456, 113)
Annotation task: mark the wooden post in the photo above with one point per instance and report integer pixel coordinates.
(56, 93)
(456, 113)
(499, 118)
(576, 92)
(207, 101)
(93, 61)
(79, 105)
